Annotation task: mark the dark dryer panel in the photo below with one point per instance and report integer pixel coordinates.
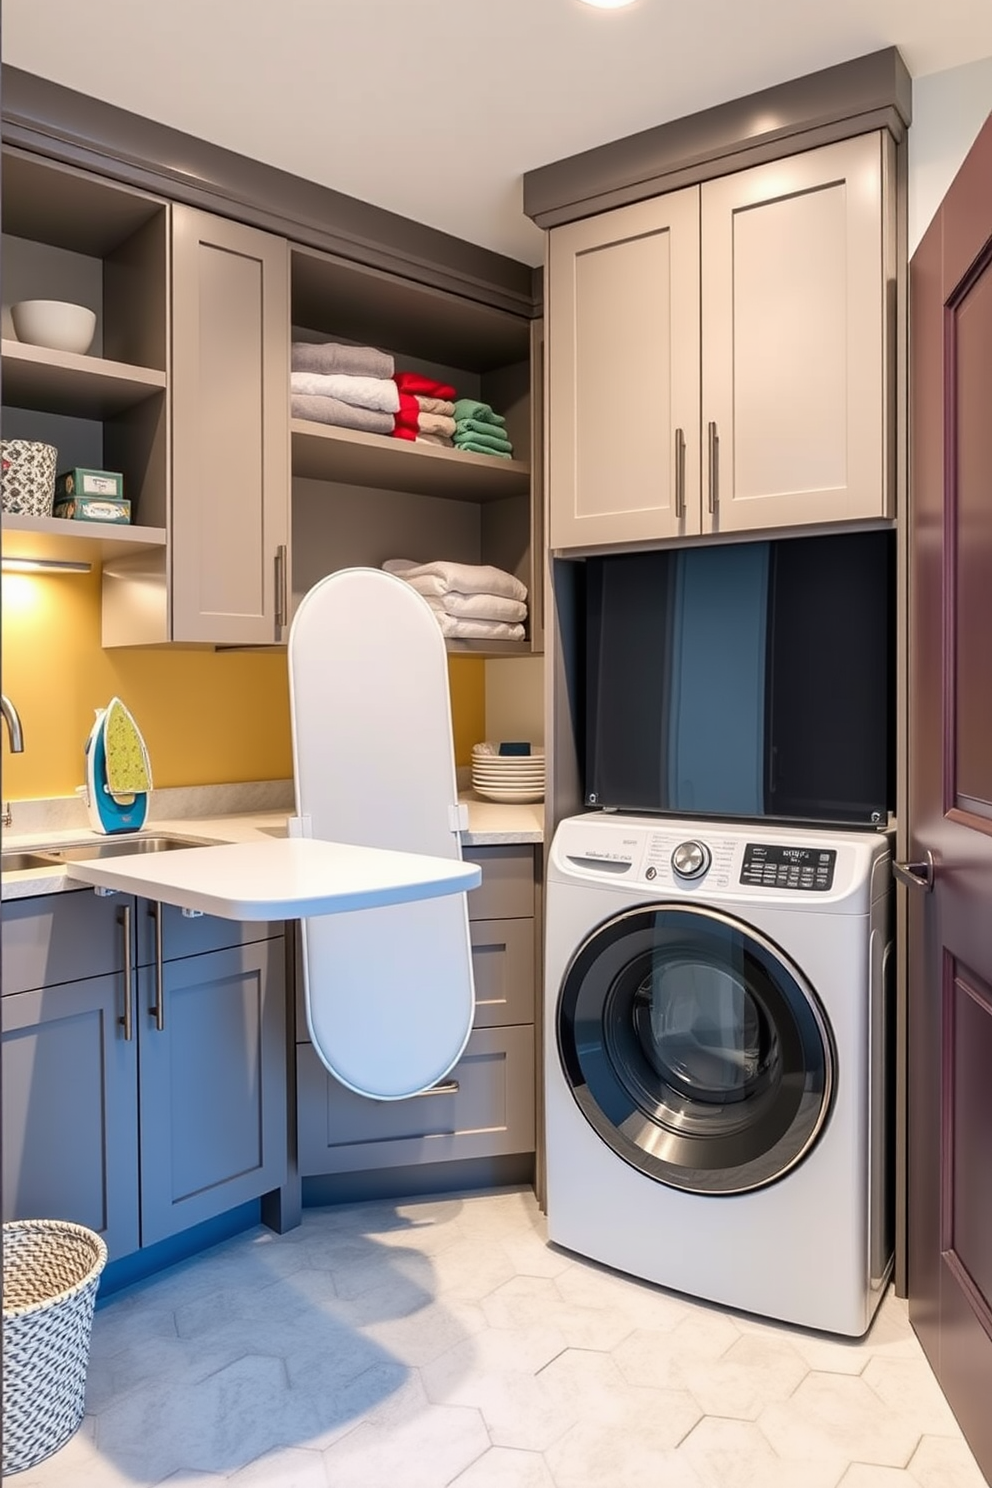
(746, 680)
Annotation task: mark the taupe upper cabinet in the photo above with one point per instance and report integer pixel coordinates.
(786, 409)
(229, 539)
(796, 259)
(623, 370)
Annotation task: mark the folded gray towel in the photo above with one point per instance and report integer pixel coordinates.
(344, 415)
(330, 357)
(380, 393)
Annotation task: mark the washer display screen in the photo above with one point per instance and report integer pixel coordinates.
(773, 866)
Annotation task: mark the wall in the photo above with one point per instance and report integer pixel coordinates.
(949, 108)
(207, 717)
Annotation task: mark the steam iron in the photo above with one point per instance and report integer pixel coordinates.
(118, 773)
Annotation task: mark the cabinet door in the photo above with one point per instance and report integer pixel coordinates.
(70, 1145)
(795, 271)
(623, 374)
(213, 1085)
(230, 459)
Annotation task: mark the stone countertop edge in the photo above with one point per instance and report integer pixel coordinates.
(490, 824)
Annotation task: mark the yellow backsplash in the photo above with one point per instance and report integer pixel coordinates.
(208, 717)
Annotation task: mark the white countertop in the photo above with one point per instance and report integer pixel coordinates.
(490, 823)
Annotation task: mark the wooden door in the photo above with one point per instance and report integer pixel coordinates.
(797, 261)
(623, 374)
(213, 1085)
(950, 815)
(229, 532)
(70, 1146)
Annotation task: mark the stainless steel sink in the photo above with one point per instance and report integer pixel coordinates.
(117, 847)
(13, 862)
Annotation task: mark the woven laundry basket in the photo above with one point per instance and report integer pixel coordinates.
(27, 486)
(51, 1270)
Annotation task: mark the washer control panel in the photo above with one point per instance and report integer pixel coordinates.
(772, 866)
(691, 859)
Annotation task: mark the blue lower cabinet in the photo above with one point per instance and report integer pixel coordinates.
(150, 1098)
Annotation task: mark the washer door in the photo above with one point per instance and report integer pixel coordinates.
(695, 1048)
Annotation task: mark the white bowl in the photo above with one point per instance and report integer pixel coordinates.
(56, 324)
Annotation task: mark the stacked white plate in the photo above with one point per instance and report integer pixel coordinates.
(507, 777)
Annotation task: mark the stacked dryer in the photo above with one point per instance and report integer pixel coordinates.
(718, 1060)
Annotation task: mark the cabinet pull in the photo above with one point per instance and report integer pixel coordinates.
(124, 920)
(158, 1007)
(446, 1087)
(679, 473)
(714, 462)
(281, 586)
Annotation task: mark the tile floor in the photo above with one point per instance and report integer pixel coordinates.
(443, 1342)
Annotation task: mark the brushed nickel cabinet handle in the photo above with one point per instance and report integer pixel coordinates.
(917, 875)
(158, 1007)
(124, 920)
(714, 462)
(282, 605)
(679, 473)
(446, 1087)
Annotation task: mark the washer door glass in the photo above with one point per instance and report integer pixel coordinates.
(695, 1048)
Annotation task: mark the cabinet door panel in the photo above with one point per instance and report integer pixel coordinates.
(794, 340)
(623, 367)
(490, 1113)
(70, 1146)
(503, 969)
(230, 488)
(507, 887)
(213, 1086)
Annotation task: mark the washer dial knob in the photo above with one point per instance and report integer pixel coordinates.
(691, 859)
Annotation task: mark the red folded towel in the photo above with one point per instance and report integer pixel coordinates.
(409, 413)
(416, 382)
(401, 432)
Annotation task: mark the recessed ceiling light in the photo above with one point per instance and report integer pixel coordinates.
(608, 4)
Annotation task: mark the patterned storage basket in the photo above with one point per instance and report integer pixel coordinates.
(51, 1270)
(28, 484)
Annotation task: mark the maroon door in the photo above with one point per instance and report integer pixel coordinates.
(950, 746)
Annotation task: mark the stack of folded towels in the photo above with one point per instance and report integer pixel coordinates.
(350, 386)
(471, 601)
(479, 429)
(426, 409)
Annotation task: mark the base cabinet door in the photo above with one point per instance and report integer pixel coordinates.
(70, 1119)
(213, 1084)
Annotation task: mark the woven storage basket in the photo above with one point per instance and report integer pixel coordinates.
(51, 1270)
(28, 482)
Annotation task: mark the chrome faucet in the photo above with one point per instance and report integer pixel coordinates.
(13, 722)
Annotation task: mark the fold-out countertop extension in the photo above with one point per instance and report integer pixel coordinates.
(279, 880)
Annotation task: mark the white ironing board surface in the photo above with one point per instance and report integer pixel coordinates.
(280, 880)
(389, 992)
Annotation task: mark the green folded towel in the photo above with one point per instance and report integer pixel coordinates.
(490, 437)
(471, 408)
(476, 448)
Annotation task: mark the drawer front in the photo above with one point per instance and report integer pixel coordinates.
(182, 936)
(490, 1113)
(61, 938)
(503, 967)
(507, 888)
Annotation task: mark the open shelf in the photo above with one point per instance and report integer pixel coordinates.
(64, 382)
(85, 542)
(324, 452)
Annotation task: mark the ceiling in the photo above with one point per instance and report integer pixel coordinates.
(435, 109)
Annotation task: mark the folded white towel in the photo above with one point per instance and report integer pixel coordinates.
(463, 578)
(478, 630)
(380, 393)
(474, 606)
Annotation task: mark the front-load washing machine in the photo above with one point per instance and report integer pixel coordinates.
(718, 1060)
